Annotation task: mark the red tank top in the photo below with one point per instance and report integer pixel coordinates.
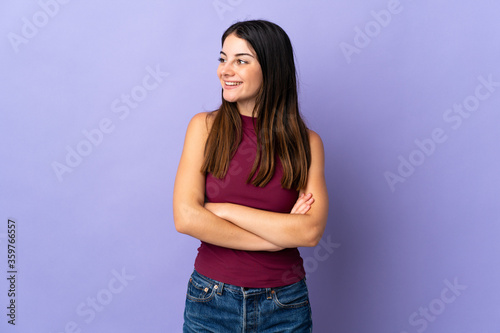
(252, 269)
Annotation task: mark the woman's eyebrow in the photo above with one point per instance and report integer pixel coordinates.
(239, 54)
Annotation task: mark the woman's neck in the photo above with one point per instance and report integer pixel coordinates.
(246, 109)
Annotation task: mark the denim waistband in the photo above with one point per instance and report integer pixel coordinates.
(220, 286)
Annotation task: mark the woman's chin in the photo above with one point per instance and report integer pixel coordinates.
(230, 99)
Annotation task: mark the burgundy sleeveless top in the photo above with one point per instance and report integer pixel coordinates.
(252, 269)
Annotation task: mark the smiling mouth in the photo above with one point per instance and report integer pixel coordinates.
(232, 83)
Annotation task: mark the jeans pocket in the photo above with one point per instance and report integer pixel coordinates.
(199, 289)
(293, 296)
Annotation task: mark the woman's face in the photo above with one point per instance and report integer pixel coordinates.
(239, 73)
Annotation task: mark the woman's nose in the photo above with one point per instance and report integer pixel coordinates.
(226, 69)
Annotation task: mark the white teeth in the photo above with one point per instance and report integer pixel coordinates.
(233, 83)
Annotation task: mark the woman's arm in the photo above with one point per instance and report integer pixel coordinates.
(190, 216)
(287, 230)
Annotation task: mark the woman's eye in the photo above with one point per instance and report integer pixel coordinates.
(221, 60)
(242, 61)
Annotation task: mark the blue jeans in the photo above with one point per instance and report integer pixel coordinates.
(215, 307)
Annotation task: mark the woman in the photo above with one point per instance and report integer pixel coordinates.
(250, 185)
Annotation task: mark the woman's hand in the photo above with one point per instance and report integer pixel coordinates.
(303, 204)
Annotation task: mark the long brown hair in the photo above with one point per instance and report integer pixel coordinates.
(280, 129)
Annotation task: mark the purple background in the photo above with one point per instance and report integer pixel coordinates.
(389, 253)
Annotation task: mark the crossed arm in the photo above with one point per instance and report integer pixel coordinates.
(240, 227)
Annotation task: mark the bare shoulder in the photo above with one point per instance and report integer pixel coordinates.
(315, 140)
(317, 150)
(202, 121)
(200, 125)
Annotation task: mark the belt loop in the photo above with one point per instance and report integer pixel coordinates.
(220, 288)
(269, 293)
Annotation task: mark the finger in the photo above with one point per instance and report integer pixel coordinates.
(297, 204)
(304, 199)
(310, 201)
(303, 209)
(294, 209)
(307, 196)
